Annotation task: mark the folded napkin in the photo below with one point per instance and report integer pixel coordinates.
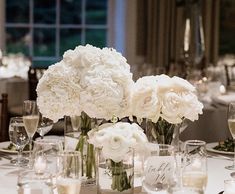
(224, 99)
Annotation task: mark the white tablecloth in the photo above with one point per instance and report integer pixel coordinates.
(216, 176)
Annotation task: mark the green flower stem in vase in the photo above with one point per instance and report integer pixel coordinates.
(162, 131)
(76, 138)
(115, 177)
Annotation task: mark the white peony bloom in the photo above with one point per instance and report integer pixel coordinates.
(58, 92)
(145, 102)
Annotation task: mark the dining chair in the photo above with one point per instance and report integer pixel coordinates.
(4, 118)
(34, 74)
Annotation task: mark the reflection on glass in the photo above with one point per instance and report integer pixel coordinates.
(69, 39)
(45, 11)
(70, 12)
(17, 40)
(96, 37)
(17, 11)
(96, 12)
(44, 42)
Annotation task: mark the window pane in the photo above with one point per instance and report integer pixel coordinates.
(70, 12)
(43, 63)
(44, 42)
(69, 38)
(45, 11)
(17, 11)
(96, 12)
(96, 37)
(17, 40)
(227, 27)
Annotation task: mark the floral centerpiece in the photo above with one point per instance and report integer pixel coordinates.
(165, 102)
(91, 80)
(115, 142)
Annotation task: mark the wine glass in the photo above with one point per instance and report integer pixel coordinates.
(44, 125)
(18, 136)
(69, 167)
(30, 119)
(231, 126)
(195, 165)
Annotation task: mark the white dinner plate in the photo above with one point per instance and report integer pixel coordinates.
(4, 145)
(210, 148)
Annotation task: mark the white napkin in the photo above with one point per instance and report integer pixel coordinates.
(224, 99)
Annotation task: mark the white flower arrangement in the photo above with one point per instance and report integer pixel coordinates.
(172, 99)
(116, 139)
(96, 81)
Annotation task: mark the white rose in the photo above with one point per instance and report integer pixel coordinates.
(116, 147)
(173, 107)
(145, 102)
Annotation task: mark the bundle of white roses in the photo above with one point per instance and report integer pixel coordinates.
(165, 102)
(172, 99)
(115, 141)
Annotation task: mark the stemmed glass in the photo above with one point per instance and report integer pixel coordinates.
(194, 173)
(30, 119)
(44, 125)
(231, 126)
(18, 136)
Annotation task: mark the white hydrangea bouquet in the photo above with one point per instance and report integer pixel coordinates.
(115, 142)
(165, 102)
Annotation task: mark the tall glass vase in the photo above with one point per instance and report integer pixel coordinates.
(115, 177)
(76, 138)
(163, 132)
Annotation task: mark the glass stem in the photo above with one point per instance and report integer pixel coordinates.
(19, 156)
(30, 150)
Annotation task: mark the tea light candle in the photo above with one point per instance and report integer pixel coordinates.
(40, 165)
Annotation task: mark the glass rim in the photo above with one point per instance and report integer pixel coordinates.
(17, 117)
(48, 141)
(195, 142)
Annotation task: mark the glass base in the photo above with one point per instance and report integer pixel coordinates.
(20, 162)
(232, 167)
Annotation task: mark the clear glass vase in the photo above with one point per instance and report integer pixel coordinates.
(115, 177)
(76, 138)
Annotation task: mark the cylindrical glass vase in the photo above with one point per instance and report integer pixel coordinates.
(76, 139)
(115, 177)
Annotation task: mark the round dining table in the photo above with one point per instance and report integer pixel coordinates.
(216, 176)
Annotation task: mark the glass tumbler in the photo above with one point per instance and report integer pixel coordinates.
(31, 183)
(69, 168)
(158, 167)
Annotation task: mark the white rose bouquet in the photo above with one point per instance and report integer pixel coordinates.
(115, 141)
(165, 102)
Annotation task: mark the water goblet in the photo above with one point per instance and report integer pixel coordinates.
(231, 125)
(19, 138)
(69, 167)
(44, 125)
(30, 119)
(195, 165)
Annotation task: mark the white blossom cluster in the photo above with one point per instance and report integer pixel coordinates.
(96, 81)
(173, 99)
